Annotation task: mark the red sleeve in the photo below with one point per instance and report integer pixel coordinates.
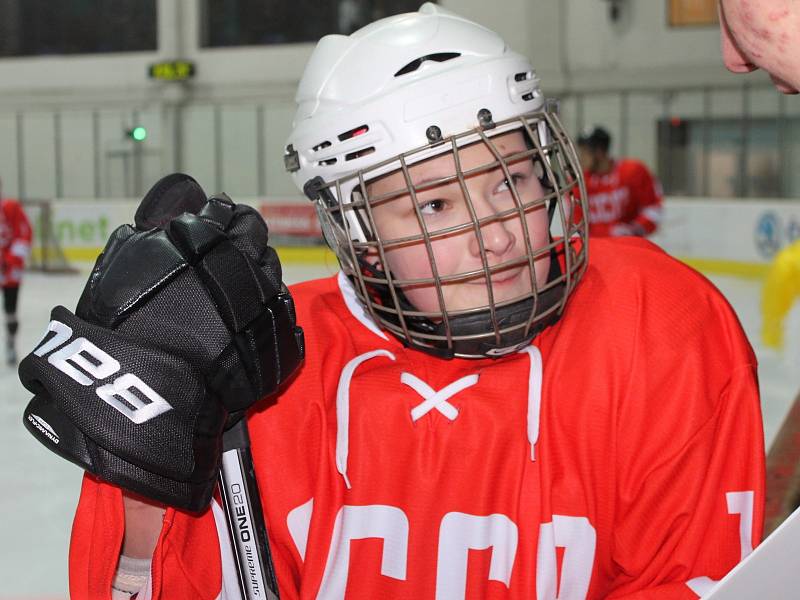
(688, 473)
(648, 195)
(713, 491)
(602, 229)
(186, 561)
(97, 532)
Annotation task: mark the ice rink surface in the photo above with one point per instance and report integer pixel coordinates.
(40, 490)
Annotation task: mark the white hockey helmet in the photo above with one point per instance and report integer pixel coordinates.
(405, 89)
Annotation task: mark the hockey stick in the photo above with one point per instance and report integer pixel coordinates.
(170, 197)
(246, 526)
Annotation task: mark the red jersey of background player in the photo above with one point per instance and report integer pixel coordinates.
(603, 472)
(623, 197)
(15, 242)
(626, 201)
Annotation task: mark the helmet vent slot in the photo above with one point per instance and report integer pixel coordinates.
(321, 146)
(523, 76)
(327, 162)
(360, 153)
(354, 132)
(416, 64)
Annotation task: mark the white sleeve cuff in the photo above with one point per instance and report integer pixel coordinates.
(21, 249)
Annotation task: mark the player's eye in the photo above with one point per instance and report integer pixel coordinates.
(431, 207)
(516, 178)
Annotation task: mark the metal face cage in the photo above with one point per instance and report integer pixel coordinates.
(482, 302)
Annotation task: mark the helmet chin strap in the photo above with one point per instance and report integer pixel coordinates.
(485, 343)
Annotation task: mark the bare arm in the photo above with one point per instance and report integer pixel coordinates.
(143, 520)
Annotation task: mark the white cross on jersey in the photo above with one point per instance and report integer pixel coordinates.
(436, 399)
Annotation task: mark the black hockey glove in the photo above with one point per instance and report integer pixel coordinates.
(180, 329)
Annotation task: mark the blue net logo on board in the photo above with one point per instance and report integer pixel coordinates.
(773, 232)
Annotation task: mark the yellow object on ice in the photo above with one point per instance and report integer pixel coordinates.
(781, 288)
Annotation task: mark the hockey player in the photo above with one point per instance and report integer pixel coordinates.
(624, 197)
(482, 413)
(15, 244)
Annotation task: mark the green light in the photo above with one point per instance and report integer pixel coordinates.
(139, 133)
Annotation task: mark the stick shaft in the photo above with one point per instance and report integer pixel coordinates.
(246, 523)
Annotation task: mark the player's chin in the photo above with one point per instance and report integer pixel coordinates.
(512, 292)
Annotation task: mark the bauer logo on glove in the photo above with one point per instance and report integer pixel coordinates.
(86, 363)
(183, 325)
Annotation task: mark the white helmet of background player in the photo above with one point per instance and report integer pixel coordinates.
(405, 91)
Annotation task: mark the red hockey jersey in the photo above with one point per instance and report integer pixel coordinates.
(621, 455)
(625, 201)
(15, 241)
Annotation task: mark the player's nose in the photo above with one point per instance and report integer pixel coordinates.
(495, 235)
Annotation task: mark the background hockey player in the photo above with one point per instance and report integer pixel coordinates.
(624, 197)
(482, 413)
(15, 245)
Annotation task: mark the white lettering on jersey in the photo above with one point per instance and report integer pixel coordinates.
(298, 521)
(578, 538)
(458, 534)
(607, 207)
(357, 523)
(741, 503)
(461, 532)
